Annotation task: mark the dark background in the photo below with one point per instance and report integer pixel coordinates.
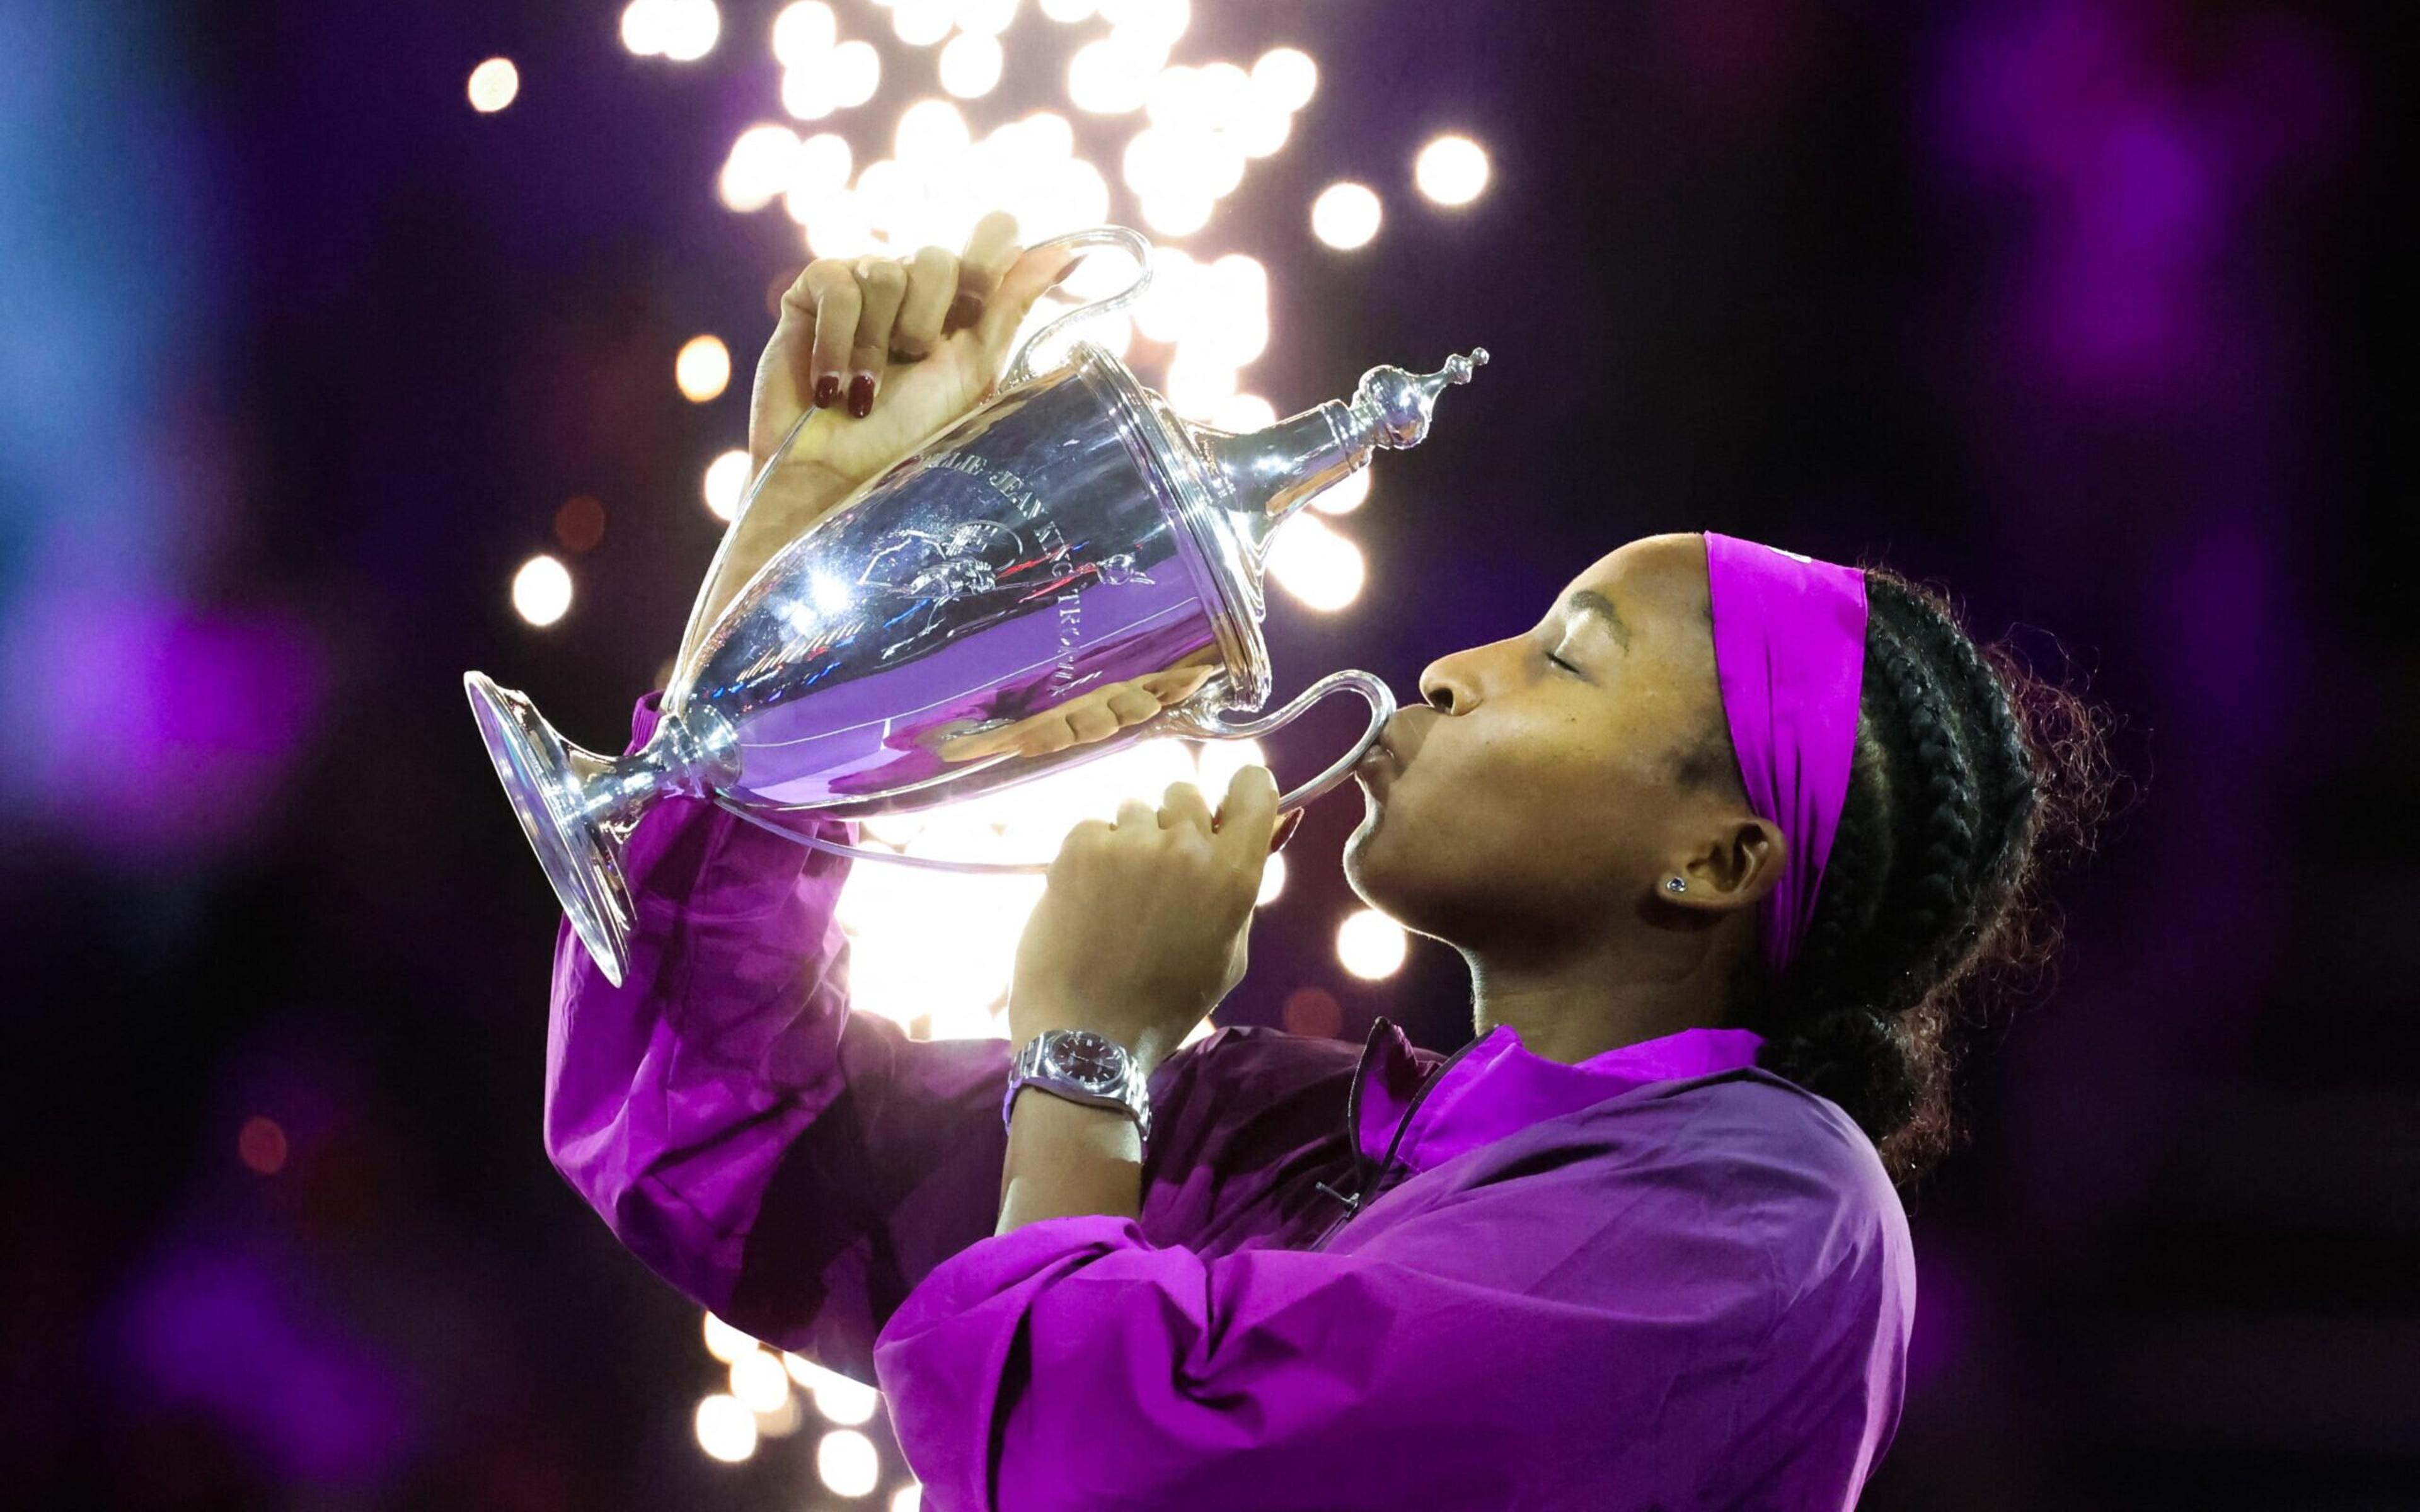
(2078, 309)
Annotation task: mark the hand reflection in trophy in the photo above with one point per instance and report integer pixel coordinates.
(933, 589)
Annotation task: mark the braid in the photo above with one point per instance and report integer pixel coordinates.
(1925, 881)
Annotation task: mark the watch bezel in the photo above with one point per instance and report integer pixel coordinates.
(1094, 1043)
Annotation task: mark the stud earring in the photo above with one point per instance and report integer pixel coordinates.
(1675, 884)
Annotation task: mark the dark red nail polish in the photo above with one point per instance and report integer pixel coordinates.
(861, 395)
(1286, 828)
(963, 311)
(827, 391)
(1064, 274)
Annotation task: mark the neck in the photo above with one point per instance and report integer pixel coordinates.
(1583, 1004)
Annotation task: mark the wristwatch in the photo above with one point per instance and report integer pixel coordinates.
(1083, 1067)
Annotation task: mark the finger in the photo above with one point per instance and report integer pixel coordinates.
(990, 251)
(784, 379)
(932, 284)
(1132, 705)
(1249, 819)
(1176, 685)
(1185, 805)
(1091, 720)
(1134, 815)
(881, 285)
(1033, 275)
(835, 288)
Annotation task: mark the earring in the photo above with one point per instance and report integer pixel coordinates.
(1676, 884)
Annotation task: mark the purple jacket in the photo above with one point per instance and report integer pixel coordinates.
(1362, 1278)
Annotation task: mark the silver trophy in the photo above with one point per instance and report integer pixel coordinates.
(1071, 532)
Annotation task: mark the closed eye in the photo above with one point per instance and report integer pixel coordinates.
(1564, 665)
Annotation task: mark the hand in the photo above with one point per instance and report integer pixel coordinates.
(1142, 927)
(885, 351)
(1093, 715)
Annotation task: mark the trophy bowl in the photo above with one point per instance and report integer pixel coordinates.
(1071, 532)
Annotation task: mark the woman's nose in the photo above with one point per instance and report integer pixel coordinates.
(1445, 686)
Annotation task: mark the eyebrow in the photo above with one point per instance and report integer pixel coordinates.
(1589, 601)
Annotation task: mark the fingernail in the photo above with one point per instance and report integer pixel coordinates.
(861, 395)
(963, 311)
(827, 391)
(1286, 828)
(1077, 262)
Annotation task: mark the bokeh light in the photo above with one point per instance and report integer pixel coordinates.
(1286, 78)
(726, 482)
(758, 167)
(703, 369)
(725, 1342)
(1452, 170)
(1371, 945)
(803, 32)
(542, 591)
(727, 1430)
(1316, 565)
(759, 1381)
(1273, 880)
(260, 1143)
(970, 65)
(1345, 215)
(493, 84)
(847, 1463)
(1345, 495)
(907, 1498)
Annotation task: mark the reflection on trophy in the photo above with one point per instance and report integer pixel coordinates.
(1070, 533)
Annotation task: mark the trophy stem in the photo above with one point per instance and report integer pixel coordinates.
(577, 808)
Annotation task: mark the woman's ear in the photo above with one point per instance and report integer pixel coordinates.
(1733, 868)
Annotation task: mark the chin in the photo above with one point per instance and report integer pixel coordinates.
(1382, 868)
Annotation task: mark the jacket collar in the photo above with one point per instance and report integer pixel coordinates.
(1427, 1111)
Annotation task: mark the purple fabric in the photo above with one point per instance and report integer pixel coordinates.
(1790, 649)
(1662, 1277)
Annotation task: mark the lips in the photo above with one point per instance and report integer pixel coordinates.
(1392, 752)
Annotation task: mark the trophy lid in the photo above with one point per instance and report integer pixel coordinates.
(1233, 491)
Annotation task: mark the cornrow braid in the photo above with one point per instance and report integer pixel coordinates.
(1961, 752)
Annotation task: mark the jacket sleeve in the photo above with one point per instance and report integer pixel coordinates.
(1560, 1341)
(790, 1165)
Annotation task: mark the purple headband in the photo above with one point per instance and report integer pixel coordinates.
(1789, 650)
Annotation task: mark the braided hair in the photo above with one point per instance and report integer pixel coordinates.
(1970, 770)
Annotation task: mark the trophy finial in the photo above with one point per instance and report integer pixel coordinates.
(1393, 407)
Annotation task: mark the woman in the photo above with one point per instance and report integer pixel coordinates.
(1718, 837)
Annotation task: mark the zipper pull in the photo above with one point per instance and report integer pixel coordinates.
(1352, 1204)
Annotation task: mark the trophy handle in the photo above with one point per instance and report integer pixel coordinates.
(1204, 722)
(1207, 724)
(1021, 366)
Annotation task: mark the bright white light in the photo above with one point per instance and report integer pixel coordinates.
(818, 171)
(970, 65)
(642, 28)
(542, 591)
(1261, 132)
(931, 132)
(1345, 215)
(758, 167)
(1286, 78)
(847, 1462)
(703, 369)
(1154, 24)
(1108, 75)
(726, 1428)
(689, 29)
(907, 1498)
(837, 227)
(1197, 386)
(1272, 882)
(726, 480)
(1371, 945)
(1344, 495)
(802, 1370)
(987, 18)
(1452, 170)
(493, 84)
(725, 1342)
(1178, 212)
(856, 71)
(844, 1401)
(1244, 412)
(759, 1381)
(808, 92)
(803, 32)
(1315, 564)
(1069, 11)
(921, 23)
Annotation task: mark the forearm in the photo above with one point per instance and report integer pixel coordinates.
(1067, 1158)
(798, 493)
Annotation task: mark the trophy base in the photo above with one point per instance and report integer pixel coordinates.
(541, 775)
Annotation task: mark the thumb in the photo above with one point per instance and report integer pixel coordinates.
(1033, 275)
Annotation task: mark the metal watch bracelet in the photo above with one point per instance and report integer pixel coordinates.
(1081, 1067)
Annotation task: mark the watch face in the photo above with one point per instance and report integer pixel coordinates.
(1098, 1062)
